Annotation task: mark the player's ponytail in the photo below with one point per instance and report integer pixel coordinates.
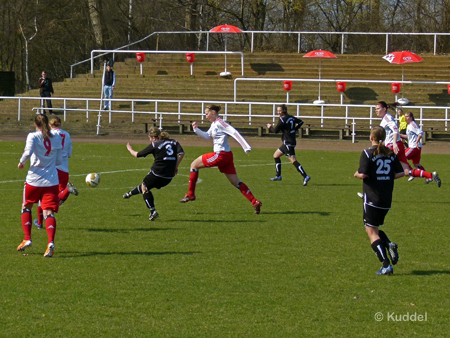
(41, 122)
(55, 122)
(378, 134)
(164, 135)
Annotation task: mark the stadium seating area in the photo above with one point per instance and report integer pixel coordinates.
(168, 76)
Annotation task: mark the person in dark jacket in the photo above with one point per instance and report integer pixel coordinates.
(108, 87)
(46, 89)
(288, 125)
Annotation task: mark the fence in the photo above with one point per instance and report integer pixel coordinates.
(349, 115)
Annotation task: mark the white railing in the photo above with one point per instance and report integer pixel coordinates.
(349, 116)
(105, 51)
(300, 34)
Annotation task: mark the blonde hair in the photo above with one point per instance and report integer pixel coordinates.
(55, 122)
(41, 122)
(378, 134)
(155, 132)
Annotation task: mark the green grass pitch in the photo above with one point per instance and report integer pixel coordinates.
(212, 268)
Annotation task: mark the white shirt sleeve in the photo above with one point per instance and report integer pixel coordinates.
(229, 130)
(28, 149)
(202, 134)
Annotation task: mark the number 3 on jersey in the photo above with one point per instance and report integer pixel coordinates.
(169, 150)
(384, 166)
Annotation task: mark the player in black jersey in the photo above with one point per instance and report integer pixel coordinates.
(168, 154)
(379, 167)
(288, 125)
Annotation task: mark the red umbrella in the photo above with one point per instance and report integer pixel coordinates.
(321, 54)
(226, 29)
(401, 58)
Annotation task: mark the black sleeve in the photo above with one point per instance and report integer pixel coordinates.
(279, 126)
(299, 123)
(397, 165)
(364, 163)
(147, 151)
(179, 149)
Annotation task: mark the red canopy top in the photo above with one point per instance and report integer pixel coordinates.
(226, 29)
(319, 54)
(402, 57)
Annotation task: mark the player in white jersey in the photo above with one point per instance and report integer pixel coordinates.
(44, 151)
(413, 153)
(394, 141)
(65, 187)
(222, 157)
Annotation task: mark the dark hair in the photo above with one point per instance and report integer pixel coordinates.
(55, 122)
(410, 114)
(383, 104)
(378, 134)
(214, 107)
(41, 122)
(283, 108)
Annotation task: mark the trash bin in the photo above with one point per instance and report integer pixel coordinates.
(395, 87)
(140, 57)
(287, 85)
(190, 57)
(341, 86)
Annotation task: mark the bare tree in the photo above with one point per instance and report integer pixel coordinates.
(94, 14)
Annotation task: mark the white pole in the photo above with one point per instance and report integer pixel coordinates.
(101, 100)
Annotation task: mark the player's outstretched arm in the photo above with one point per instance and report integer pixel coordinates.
(130, 149)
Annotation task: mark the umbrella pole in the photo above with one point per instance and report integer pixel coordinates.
(225, 53)
(320, 69)
(403, 85)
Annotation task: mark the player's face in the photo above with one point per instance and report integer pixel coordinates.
(408, 118)
(210, 115)
(279, 111)
(380, 110)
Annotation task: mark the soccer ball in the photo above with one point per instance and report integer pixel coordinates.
(93, 179)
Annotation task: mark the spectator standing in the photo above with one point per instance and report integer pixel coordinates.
(45, 90)
(108, 87)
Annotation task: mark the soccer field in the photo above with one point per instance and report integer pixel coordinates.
(212, 268)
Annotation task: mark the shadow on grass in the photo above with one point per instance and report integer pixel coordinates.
(128, 231)
(430, 272)
(69, 254)
(296, 212)
(216, 221)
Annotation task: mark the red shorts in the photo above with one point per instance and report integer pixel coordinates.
(413, 154)
(63, 179)
(401, 151)
(222, 159)
(47, 195)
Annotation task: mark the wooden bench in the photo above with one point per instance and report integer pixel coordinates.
(182, 124)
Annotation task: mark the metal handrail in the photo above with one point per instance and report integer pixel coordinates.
(298, 33)
(249, 107)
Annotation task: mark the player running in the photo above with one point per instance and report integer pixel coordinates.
(65, 187)
(413, 153)
(394, 142)
(378, 167)
(288, 125)
(44, 150)
(168, 154)
(222, 157)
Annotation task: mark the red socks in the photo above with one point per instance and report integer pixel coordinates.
(40, 215)
(50, 226)
(246, 192)
(420, 173)
(63, 195)
(193, 177)
(26, 223)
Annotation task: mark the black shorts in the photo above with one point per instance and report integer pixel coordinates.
(374, 217)
(287, 149)
(152, 181)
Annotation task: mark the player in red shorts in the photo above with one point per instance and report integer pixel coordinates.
(44, 151)
(394, 142)
(222, 157)
(65, 187)
(413, 153)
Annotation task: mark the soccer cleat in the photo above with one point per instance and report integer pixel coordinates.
(187, 198)
(306, 180)
(39, 226)
(428, 180)
(127, 195)
(385, 271)
(72, 189)
(393, 253)
(153, 215)
(257, 207)
(360, 195)
(437, 179)
(276, 178)
(411, 178)
(50, 249)
(25, 244)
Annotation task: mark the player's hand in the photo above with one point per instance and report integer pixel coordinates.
(194, 125)
(268, 125)
(21, 165)
(395, 149)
